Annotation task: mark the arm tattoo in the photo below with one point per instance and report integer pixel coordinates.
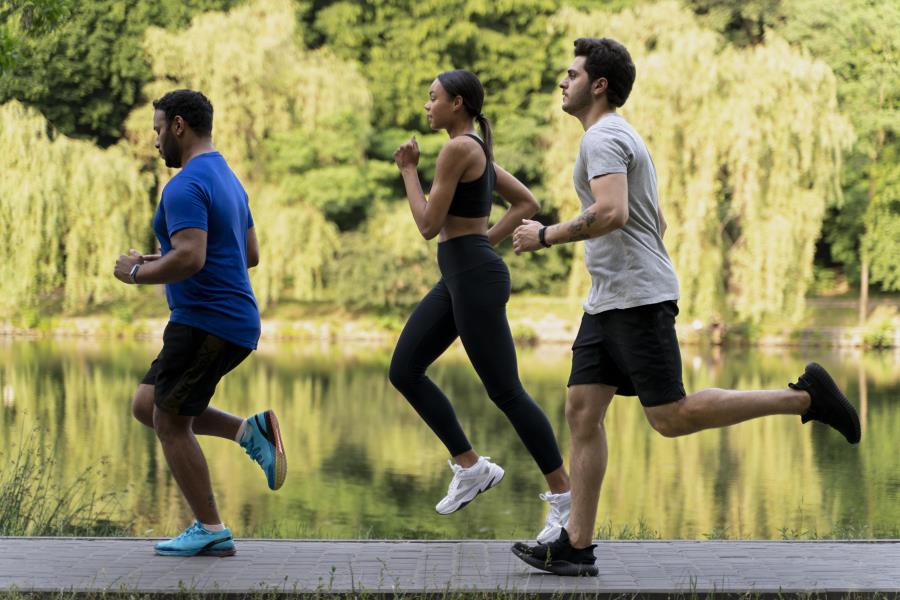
(580, 228)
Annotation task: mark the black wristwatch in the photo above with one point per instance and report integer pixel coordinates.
(542, 233)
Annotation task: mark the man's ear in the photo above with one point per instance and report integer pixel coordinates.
(178, 125)
(599, 86)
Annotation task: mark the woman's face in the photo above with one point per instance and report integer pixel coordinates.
(439, 107)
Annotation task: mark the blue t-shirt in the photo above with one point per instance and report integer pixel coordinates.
(218, 299)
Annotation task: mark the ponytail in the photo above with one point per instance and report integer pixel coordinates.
(486, 135)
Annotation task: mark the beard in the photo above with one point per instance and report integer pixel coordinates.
(578, 102)
(171, 153)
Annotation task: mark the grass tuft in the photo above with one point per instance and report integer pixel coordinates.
(34, 502)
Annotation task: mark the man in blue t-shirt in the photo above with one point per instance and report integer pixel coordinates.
(207, 243)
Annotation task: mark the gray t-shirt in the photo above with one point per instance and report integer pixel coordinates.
(629, 266)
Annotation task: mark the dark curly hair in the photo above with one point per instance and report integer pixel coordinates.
(605, 57)
(193, 107)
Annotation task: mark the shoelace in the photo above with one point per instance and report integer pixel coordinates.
(454, 483)
(190, 530)
(458, 474)
(255, 452)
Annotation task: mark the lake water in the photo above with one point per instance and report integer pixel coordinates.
(362, 464)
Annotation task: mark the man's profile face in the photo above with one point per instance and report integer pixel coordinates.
(576, 88)
(166, 142)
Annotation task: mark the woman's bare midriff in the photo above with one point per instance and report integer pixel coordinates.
(458, 226)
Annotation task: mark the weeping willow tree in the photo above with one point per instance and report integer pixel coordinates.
(387, 264)
(747, 146)
(67, 210)
(282, 115)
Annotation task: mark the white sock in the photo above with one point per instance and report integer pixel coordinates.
(240, 431)
(213, 528)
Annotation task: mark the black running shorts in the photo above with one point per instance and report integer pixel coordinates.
(634, 350)
(189, 367)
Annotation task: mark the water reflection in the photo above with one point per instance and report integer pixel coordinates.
(362, 464)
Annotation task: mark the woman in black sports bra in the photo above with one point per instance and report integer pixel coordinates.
(470, 299)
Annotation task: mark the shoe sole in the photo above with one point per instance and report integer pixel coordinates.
(219, 553)
(557, 567)
(216, 553)
(494, 482)
(274, 437)
(205, 551)
(825, 380)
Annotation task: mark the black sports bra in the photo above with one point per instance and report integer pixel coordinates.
(472, 199)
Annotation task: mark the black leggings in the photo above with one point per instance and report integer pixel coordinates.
(470, 302)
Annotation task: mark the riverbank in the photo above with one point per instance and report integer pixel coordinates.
(533, 319)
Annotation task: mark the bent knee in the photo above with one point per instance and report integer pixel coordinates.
(667, 428)
(670, 420)
(399, 375)
(142, 405)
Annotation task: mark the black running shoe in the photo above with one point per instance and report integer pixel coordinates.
(828, 405)
(559, 557)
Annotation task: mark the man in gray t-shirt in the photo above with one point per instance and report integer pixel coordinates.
(629, 266)
(626, 344)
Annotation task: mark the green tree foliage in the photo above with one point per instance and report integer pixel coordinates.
(67, 210)
(743, 22)
(746, 145)
(313, 96)
(859, 40)
(86, 75)
(404, 44)
(882, 220)
(386, 264)
(20, 20)
(292, 123)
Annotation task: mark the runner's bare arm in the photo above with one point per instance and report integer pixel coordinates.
(662, 223)
(451, 163)
(608, 213)
(522, 202)
(252, 248)
(187, 256)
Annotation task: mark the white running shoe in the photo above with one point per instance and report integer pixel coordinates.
(560, 507)
(468, 483)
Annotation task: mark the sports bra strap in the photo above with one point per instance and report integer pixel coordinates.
(476, 138)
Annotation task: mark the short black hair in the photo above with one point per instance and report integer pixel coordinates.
(605, 57)
(193, 107)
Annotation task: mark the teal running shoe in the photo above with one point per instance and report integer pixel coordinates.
(197, 541)
(261, 441)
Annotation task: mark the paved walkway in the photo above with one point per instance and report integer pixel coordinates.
(387, 567)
